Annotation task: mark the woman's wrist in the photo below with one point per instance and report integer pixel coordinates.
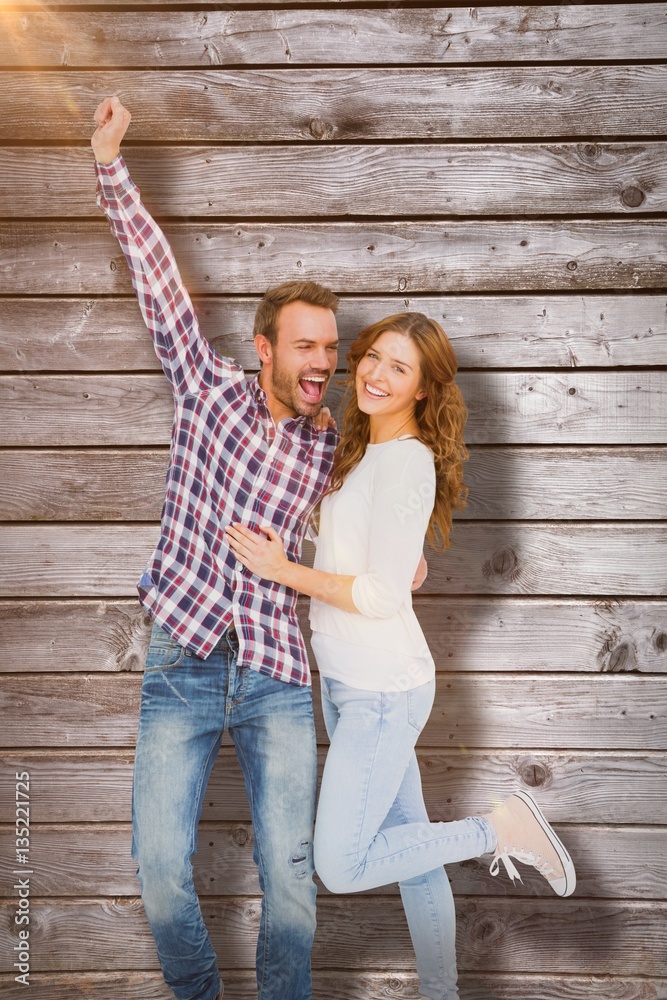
(286, 575)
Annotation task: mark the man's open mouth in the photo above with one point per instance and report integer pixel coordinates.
(312, 387)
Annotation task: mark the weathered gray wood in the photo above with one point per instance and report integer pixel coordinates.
(384, 257)
(292, 38)
(504, 407)
(82, 485)
(158, 4)
(480, 179)
(73, 635)
(471, 634)
(504, 483)
(604, 483)
(583, 787)
(487, 331)
(470, 710)
(341, 104)
(486, 558)
(96, 860)
(367, 933)
(342, 985)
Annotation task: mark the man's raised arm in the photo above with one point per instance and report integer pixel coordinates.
(189, 362)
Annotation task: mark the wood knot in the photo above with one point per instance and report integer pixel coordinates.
(484, 928)
(660, 642)
(240, 836)
(504, 563)
(534, 774)
(591, 151)
(133, 663)
(632, 197)
(621, 659)
(321, 130)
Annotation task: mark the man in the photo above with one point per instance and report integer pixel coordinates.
(226, 649)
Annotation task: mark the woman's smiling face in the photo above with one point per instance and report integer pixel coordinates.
(388, 377)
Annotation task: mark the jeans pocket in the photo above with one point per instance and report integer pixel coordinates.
(420, 703)
(164, 653)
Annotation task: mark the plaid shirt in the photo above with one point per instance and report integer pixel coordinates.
(229, 462)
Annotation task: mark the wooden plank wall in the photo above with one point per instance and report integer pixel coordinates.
(501, 168)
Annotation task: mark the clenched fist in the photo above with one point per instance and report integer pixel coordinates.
(112, 124)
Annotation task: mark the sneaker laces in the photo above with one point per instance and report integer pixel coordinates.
(543, 866)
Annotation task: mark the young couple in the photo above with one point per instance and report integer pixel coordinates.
(250, 461)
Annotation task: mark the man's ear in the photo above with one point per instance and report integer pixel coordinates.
(264, 349)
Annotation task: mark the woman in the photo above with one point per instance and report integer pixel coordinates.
(397, 477)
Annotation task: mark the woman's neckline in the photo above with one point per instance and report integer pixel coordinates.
(403, 437)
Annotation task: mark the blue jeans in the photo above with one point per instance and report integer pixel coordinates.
(372, 826)
(186, 703)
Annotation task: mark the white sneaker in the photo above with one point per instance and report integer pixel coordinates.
(524, 834)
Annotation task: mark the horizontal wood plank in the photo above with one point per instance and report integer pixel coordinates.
(383, 257)
(505, 483)
(568, 559)
(343, 985)
(471, 710)
(611, 863)
(449, 180)
(366, 933)
(292, 38)
(579, 787)
(464, 634)
(555, 331)
(573, 407)
(301, 105)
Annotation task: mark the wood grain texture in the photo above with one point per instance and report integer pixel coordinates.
(338, 37)
(528, 331)
(432, 180)
(464, 633)
(472, 710)
(301, 105)
(383, 257)
(365, 933)
(342, 985)
(504, 408)
(505, 483)
(611, 863)
(79, 786)
(567, 559)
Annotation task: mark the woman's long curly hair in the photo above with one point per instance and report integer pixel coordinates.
(440, 415)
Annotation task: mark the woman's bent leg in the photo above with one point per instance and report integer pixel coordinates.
(371, 748)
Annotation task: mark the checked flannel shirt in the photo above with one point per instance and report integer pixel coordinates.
(229, 462)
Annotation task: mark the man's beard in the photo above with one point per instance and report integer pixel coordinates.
(286, 389)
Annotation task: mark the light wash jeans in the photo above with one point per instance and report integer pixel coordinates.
(372, 827)
(185, 705)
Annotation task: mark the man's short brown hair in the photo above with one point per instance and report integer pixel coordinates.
(268, 311)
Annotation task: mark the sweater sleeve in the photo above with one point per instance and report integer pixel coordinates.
(403, 500)
(189, 362)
